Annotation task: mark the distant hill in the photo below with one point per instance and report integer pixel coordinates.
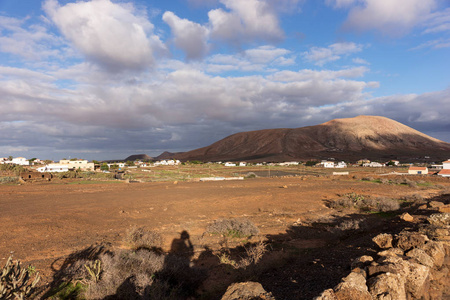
(166, 155)
(349, 139)
(138, 157)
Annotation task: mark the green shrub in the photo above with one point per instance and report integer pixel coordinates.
(8, 179)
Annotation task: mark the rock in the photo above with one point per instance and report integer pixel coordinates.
(391, 252)
(327, 295)
(421, 257)
(445, 209)
(407, 217)
(362, 261)
(379, 269)
(422, 207)
(435, 204)
(417, 281)
(383, 240)
(437, 252)
(440, 220)
(387, 286)
(246, 291)
(408, 240)
(352, 287)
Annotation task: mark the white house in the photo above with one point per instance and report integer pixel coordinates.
(20, 161)
(289, 163)
(80, 164)
(341, 164)
(230, 164)
(327, 164)
(54, 168)
(418, 170)
(446, 165)
(242, 164)
(373, 164)
(444, 173)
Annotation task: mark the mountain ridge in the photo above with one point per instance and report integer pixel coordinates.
(372, 137)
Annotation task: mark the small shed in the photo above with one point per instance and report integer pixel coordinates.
(418, 170)
(32, 175)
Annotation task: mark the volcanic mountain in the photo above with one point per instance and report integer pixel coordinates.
(371, 137)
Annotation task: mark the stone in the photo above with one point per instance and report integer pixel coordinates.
(391, 252)
(407, 217)
(383, 240)
(352, 287)
(439, 220)
(408, 240)
(361, 261)
(387, 286)
(246, 291)
(327, 295)
(435, 204)
(445, 209)
(417, 281)
(421, 257)
(436, 251)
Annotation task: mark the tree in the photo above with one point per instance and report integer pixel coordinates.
(130, 163)
(104, 167)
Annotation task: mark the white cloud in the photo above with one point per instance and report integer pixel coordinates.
(438, 22)
(32, 42)
(245, 21)
(390, 17)
(265, 54)
(189, 36)
(320, 56)
(112, 35)
(360, 61)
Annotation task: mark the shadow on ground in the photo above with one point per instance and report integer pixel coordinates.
(300, 263)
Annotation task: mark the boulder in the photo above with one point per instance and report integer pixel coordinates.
(417, 281)
(435, 204)
(387, 286)
(352, 287)
(421, 257)
(445, 208)
(246, 291)
(437, 252)
(383, 240)
(409, 240)
(361, 261)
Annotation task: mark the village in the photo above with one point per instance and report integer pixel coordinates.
(34, 167)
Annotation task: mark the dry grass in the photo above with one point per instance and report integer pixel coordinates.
(139, 237)
(236, 227)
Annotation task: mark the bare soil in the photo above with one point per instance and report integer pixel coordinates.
(42, 224)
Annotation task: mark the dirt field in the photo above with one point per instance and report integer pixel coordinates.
(43, 223)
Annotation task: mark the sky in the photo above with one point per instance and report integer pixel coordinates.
(104, 79)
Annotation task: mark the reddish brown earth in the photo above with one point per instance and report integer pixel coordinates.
(349, 139)
(42, 224)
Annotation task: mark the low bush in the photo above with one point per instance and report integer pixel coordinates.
(125, 274)
(236, 227)
(254, 254)
(353, 200)
(8, 179)
(349, 225)
(137, 238)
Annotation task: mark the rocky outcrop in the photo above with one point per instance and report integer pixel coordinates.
(410, 265)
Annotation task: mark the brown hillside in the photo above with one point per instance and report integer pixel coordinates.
(350, 139)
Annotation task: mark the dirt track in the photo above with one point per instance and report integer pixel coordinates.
(43, 223)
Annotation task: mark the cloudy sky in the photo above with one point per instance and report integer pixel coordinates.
(103, 79)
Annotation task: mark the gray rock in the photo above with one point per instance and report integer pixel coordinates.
(417, 281)
(440, 220)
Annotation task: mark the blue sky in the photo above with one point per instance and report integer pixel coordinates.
(104, 79)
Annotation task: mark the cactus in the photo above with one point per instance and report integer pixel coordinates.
(15, 281)
(94, 269)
